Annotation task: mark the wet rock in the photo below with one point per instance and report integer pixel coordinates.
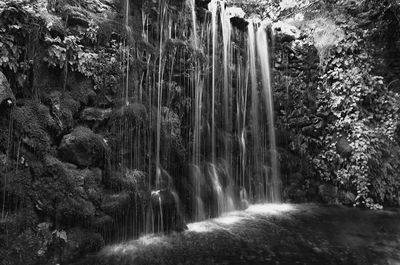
(31, 122)
(92, 184)
(132, 181)
(84, 148)
(343, 147)
(347, 198)
(63, 108)
(103, 222)
(62, 191)
(294, 192)
(328, 193)
(23, 250)
(134, 119)
(166, 203)
(6, 95)
(95, 116)
(81, 89)
(171, 124)
(132, 114)
(80, 241)
(114, 204)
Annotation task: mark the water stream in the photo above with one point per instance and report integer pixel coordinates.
(227, 131)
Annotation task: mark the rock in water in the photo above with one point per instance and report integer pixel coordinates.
(6, 94)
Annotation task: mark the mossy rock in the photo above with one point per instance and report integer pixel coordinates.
(81, 89)
(62, 194)
(133, 114)
(79, 242)
(84, 148)
(115, 204)
(19, 242)
(95, 117)
(31, 123)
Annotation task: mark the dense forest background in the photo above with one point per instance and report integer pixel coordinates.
(336, 79)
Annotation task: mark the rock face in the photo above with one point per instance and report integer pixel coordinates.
(84, 148)
(6, 95)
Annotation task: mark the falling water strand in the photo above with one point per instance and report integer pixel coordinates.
(213, 7)
(254, 106)
(226, 37)
(273, 184)
(128, 52)
(159, 93)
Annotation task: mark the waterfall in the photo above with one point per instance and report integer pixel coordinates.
(226, 129)
(273, 180)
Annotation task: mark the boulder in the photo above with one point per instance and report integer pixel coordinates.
(343, 147)
(84, 148)
(63, 191)
(347, 198)
(102, 222)
(31, 122)
(81, 89)
(167, 203)
(328, 193)
(79, 242)
(95, 115)
(132, 181)
(6, 95)
(63, 108)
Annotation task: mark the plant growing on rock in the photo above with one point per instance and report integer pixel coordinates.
(362, 110)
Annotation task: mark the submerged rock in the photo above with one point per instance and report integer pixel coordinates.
(84, 148)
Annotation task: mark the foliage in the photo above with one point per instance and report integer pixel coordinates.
(362, 109)
(17, 25)
(102, 64)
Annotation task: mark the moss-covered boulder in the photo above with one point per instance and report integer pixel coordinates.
(66, 193)
(84, 148)
(95, 117)
(19, 243)
(63, 109)
(32, 122)
(80, 241)
(114, 204)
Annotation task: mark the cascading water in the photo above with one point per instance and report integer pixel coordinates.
(273, 180)
(226, 129)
